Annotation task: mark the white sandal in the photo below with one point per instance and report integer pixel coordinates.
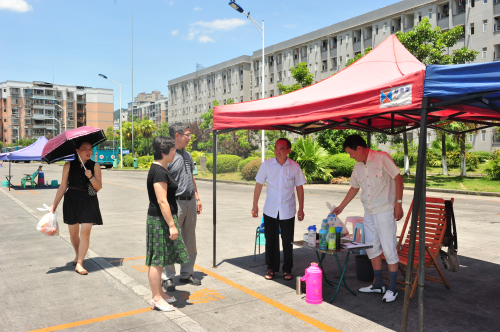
(172, 299)
(161, 307)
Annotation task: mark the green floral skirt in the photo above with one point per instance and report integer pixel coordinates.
(162, 251)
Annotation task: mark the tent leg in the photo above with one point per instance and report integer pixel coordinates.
(214, 198)
(417, 197)
(10, 177)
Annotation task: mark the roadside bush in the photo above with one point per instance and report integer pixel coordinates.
(225, 163)
(399, 159)
(145, 161)
(249, 171)
(493, 169)
(433, 159)
(483, 155)
(196, 155)
(268, 154)
(312, 159)
(453, 160)
(341, 164)
(496, 154)
(242, 163)
(128, 160)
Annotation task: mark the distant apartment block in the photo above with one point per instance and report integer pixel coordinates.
(34, 109)
(154, 106)
(327, 50)
(153, 96)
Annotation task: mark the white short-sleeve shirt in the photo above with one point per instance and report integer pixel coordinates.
(376, 180)
(281, 183)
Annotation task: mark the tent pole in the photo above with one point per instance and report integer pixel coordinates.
(421, 243)
(369, 135)
(214, 198)
(417, 196)
(10, 177)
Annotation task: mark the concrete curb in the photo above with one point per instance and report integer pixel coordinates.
(436, 190)
(177, 317)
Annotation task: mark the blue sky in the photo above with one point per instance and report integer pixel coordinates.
(73, 41)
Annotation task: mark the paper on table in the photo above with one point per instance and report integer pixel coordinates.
(354, 245)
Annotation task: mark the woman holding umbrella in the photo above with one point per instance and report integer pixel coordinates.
(82, 179)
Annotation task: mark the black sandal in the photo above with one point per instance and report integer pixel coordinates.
(287, 275)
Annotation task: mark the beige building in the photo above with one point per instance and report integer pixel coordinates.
(34, 109)
(145, 97)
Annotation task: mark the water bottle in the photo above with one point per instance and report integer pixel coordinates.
(323, 233)
(331, 239)
(311, 241)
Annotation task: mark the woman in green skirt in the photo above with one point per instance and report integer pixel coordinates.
(164, 243)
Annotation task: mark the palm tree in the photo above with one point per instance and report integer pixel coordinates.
(460, 138)
(147, 127)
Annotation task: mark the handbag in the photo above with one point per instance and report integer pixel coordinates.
(90, 188)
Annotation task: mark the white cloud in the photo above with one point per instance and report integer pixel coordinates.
(191, 34)
(226, 24)
(175, 32)
(171, 3)
(197, 8)
(205, 39)
(15, 5)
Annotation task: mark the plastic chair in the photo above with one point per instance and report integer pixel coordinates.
(260, 230)
(359, 226)
(30, 178)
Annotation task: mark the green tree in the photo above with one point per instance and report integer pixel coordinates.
(312, 159)
(146, 128)
(430, 46)
(24, 142)
(303, 77)
(359, 56)
(163, 130)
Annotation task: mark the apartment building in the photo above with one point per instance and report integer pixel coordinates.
(154, 110)
(193, 94)
(34, 109)
(145, 97)
(327, 50)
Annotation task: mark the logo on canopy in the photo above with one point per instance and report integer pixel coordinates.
(396, 96)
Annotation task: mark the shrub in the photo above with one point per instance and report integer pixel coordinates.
(225, 163)
(145, 161)
(399, 158)
(196, 155)
(483, 155)
(493, 169)
(433, 159)
(128, 160)
(249, 171)
(496, 154)
(341, 164)
(453, 160)
(242, 163)
(312, 159)
(268, 154)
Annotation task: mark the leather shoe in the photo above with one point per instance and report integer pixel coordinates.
(168, 285)
(190, 280)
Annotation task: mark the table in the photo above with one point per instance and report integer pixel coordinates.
(331, 283)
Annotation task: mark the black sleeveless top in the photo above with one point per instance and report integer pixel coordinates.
(77, 177)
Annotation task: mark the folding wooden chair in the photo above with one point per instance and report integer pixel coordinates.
(435, 227)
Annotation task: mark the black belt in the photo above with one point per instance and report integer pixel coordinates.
(181, 198)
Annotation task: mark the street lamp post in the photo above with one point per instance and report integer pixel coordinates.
(64, 112)
(59, 124)
(263, 77)
(119, 86)
(18, 128)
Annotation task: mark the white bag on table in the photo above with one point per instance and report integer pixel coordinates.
(48, 224)
(337, 222)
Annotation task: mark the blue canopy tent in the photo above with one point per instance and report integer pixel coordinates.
(467, 93)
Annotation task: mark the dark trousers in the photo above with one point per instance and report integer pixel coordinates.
(272, 227)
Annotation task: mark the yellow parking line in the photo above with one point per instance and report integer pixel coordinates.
(267, 300)
(93, 320)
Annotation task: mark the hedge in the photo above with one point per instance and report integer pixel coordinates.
(341, 164)
(249, 171)
(399, 158)
(225, 163)
(242, 163)
(128, 160)
(453, 160)
(483, 155)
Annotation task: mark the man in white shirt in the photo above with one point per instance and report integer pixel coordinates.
(381, 187)
(282, 175)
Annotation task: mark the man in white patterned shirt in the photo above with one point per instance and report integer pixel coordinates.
(282, 176)
(381, 187)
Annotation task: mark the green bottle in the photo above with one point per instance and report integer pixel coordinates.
(331, 239)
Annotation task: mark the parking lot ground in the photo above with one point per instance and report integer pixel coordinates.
(40, 290)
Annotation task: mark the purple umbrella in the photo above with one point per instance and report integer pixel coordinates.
(64, 144)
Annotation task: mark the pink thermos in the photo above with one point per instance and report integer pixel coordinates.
(314, 284)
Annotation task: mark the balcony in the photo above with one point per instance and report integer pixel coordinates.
(43, 97)
(459, 19)
(39, 116)
(443, 23)
(356, 46)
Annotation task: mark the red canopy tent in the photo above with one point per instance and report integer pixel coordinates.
(383, 90)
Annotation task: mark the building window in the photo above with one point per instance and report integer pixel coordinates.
(471, 138)
(485, 51)
(472, 3)
(485, 1)
(347, 39)
(385, 26)
(471, 29)
(324, 66)
(428, 138)
(485, 25)
(483, 135)
(419, 17)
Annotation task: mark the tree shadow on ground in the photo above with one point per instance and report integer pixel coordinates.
(471, 303)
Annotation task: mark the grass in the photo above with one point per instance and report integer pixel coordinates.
(479, 170)
(457, 182)
(231, 176)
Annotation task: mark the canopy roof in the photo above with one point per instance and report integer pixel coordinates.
(31, 152)
(386, 80)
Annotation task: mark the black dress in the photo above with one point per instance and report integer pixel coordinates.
(79, 207)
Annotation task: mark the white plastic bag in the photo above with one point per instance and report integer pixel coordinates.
(48, 224)
(335, 221)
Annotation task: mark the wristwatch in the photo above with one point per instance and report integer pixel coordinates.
(399, 201)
